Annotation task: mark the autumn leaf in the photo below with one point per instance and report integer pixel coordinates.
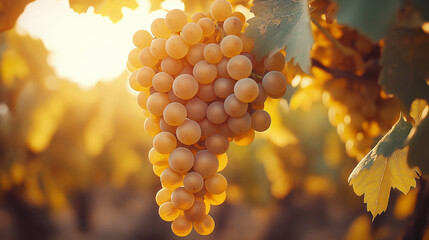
(109, 8)
(405, 62)
(383, 168)
(282, 23)
(10, 11)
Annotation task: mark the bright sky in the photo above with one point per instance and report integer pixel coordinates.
(86, 48)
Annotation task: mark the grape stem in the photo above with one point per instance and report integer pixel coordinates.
(340, 73)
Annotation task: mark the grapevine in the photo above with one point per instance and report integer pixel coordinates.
(201, 88)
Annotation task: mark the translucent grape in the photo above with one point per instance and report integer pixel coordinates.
(205, 72)
(175, 20)
(261, 120)
(223, 87)
(196, 109)
(162, 82)
(239, 67)
(234, 107)
(146, 58)
(144, 76)
(232, 26)
(207, 128)
(231, 46)
(171, 65)
(216, 184)
(196, 212)
(275, 63)
(205, 163)
(189, 132)
(215, 199)
(181, 160)
(159, 29)
(248, 43)
(176, 47)
(205, 226)
(192, 33)
(274, 82)
(220, 10)
(142, 39)
(174, 114)
(262, 96)
(193, 182)
(222, 68)
(195, 53)
(151, 126)
(216, 112)
(240, 124)
(163, 196)
(185, 86)
(133, 57)
(212, 53)
(164, 142)
(225, 130)
(240, 16)
(181, 226)
(207, 25)
(165, 127)
(217, 144)
(157, 158)
(206, 92)
(197, 16)
(133, 82)
(223, 161)
(246, 90)
(168, 212)
(246, 138)
(171, 179)
(157, 102)
(157, 48)
(182, 198)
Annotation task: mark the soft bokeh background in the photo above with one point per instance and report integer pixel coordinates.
(73, 151)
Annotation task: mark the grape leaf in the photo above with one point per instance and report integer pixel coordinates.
(405, 62)
(282, 23)
(384, 167)
(109, 8)
(423, 6)
(370, 17)
(10, 11)
(418, 139)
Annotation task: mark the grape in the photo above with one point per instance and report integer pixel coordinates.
(142, 39)
(171, 65)
(165, 127)
(175, 20)
(163, 196)
(220, 10)
(205, 226)
(157, 48)
(144, 76)
(157, 158)
(215, 199)
(216, 113)
(181, 226)
(196, 109)
(174, 114)
(176, 47)
(192, 33)
(207, 128)
(206, 92)
(223, 161)
(158, 169)
(151, 126)
(261, 120)
(186, 68)
(241, 124)
(133, 82)
(162, 82)
(168, 212)
(205, 163)
(171, 179)
(246, 90)
(216, 184)
(248, 43)
(225, 130)
(222, 68)
(212, 53)
(130, 67)
(205, 72)
(232, 26)
(159, 29)
(197, 16)
(207, 25)
(157, 102)
(189, 132)
(174, 98)
(240, 16)
(195, 53)
(196, 212)
(276, 62)
(181, 160)
(182, 198)
(217, 143)
(164, 142)
(185, 86)
(239, 67)
(193, 182)
(262, 96)
(274, 82)
(223, 87)
(234, 107)
(146, 58)
(246, 138)
(231, 46)
(133, 57)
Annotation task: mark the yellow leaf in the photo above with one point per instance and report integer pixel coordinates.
(419, 108)
(109, 8)
(385, 173)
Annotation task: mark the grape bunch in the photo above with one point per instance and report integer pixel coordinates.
(201, 88)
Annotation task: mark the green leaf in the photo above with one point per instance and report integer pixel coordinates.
(405, 62)
(418, 154)
(370, 17)
(282, 23)
(392, 141)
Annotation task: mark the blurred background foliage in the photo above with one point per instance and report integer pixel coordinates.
(73, 161)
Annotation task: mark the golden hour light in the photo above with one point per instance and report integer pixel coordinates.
(214, 119)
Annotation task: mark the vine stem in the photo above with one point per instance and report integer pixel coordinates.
(345, 50)
(338, 73)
